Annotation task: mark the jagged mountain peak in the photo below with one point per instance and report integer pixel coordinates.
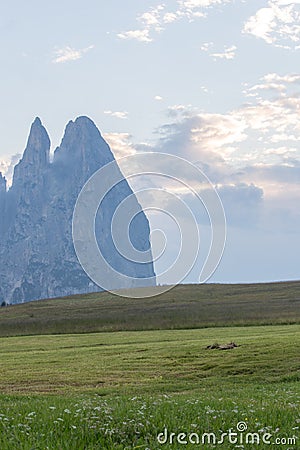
(83, 129)
(84, 121)
(37, 256)
(38, 143)
(35, 157)
(37, 122)
(82, 143)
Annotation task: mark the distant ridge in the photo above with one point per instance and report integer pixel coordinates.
(37, 257)
(185, 306)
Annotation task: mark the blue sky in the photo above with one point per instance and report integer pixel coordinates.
(213, 81)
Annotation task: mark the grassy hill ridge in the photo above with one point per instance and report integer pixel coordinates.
(185, 306)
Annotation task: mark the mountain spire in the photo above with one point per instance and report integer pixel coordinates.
(36, 154)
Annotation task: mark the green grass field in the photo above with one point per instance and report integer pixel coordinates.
(121, 389)
(185, 306)
(148, 361)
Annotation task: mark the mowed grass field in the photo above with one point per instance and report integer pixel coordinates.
(148, 361)
(121, 389)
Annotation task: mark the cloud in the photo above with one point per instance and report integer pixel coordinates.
(263, 130)
(252, 153)
(194, 4)
(152, 18)
(150, 21)
(272, 119)
(228, 52)
(277, 24)
(204, 89)
(179, 110)
(139, 35)
(7, 167)
(120, 144)
(117, 114)
(206, 46)
(156, 19)
(262, 24)
(268, 118)
(158, 97)
(273, 82)
(242, 203)
(194, 134)
(169, 17)
(66, 54)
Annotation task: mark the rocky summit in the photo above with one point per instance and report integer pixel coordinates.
(37, 256)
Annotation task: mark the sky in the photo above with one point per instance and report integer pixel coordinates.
(216, 82)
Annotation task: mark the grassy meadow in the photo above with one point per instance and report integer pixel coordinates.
(120, 389)
(185, 306)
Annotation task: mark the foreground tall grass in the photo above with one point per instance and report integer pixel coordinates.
(89, 422)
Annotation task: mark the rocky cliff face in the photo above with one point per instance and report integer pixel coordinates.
(37, 257)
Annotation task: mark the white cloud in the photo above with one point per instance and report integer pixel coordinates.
(277, 24)
(120, 144)
(206, 46)
(275, 116)
(201, 3)
(152, 17)
(150, 21)
(66, 54)
(286, 79)
(158, 97)
(139, 35)
(283, 137)
(263, 131)
(251, 153)
(273, 82)
(228, 53)
(170, 17)
(117, 114)
(216, 131)
(287, 2)
(156, 19)
(180, 111)
(7, 167)
(261, 24)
